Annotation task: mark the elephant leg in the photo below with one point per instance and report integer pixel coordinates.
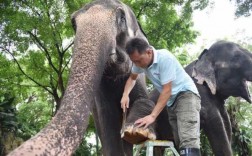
(163, 128)
(227, 123)
(108, 118)
(174, 127)
(215, 131)
(128, 148)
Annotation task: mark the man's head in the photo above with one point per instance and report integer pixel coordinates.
(140, 52)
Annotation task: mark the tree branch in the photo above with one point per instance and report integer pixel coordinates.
(66, 64)
(32, 8)
(71, 43)
(22, 71)
(55, 37)
(23, 85)
(45, 50)
(141, 10)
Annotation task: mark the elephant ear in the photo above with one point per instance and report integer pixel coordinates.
(203, 70)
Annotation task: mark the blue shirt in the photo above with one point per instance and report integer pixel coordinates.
(164, 69)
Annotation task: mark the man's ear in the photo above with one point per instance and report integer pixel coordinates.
(149, 51)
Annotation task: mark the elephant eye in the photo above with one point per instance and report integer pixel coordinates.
(123, 20)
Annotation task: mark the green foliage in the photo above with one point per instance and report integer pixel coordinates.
(10, 77)
(37, 36)
(205, 148)
(240, 116)
(8, 125)
(7, 115)
(183, 57)
(86, 148)
(164, 25)
(9, 142)
(244, 7)
(33, 115)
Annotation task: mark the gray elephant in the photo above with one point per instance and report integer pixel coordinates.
(224, 68)
(99, 70)
(219, 72)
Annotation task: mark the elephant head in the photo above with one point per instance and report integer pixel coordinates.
(225, 68)
(105, 26)
(102, 29)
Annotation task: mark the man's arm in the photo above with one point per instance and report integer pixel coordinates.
(161, 103)
(127, 89)
(162, 100)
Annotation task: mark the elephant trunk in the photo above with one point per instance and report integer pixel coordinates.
(93, 43)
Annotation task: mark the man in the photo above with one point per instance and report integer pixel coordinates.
(177, 91)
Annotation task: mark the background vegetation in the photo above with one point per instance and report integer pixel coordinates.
(36, 39)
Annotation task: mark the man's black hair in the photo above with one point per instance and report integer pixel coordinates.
(136, 44)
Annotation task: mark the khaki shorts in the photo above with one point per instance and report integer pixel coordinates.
(184, 117)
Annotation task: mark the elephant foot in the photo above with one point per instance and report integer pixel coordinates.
(136, 135)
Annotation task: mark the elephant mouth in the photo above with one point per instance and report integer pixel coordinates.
(121, 56)
(119, 59)
(117, 56)
(118, 65)
(247, 96)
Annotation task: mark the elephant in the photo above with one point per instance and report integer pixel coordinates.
(99, 70)
(224, 68)
(219, 72)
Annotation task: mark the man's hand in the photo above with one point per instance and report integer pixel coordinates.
(125, 102)
(145, 121)
(127, 89)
